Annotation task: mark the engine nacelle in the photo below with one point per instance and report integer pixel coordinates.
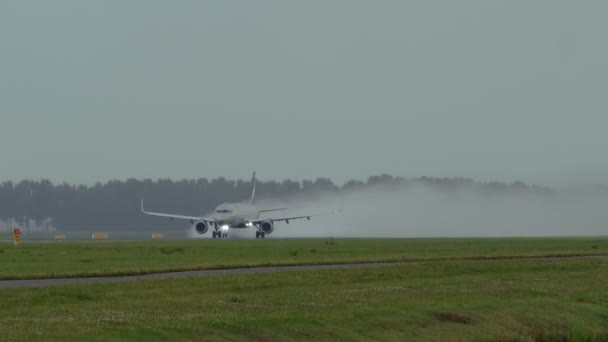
(201, 227)
(267, 227)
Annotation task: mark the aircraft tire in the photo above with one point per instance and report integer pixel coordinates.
(262, 235)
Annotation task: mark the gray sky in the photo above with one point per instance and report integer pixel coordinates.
(495, 90)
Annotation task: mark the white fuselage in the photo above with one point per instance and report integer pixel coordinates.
(235, 215)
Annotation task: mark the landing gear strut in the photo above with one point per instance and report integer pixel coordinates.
(219, 234)
(259, 235)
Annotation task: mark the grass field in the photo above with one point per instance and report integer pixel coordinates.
(448, 289)
(74, 259)
(519, 300)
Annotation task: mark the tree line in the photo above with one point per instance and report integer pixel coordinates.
(114, 205)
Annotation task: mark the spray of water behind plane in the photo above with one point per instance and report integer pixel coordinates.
(423, 211)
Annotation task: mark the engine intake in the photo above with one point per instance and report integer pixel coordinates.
(201, 227)
(267, 227)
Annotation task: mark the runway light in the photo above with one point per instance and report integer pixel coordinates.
(225, 227)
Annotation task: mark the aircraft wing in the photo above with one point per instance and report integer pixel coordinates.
(268, 210)
(173, 216)
(287, 219)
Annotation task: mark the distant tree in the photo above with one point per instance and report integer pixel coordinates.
(114, 205)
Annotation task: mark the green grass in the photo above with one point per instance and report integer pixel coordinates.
(75, 259)
(521, 300)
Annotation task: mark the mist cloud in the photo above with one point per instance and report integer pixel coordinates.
(424, 211)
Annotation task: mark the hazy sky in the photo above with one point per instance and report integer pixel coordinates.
(494, 90)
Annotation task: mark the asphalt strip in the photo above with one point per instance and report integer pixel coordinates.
(34, 283)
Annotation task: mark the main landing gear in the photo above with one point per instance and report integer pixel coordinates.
(259, 235)
(219, 235)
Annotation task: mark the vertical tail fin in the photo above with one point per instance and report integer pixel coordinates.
(252, 189)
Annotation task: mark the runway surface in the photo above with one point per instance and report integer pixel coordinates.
(32, 283)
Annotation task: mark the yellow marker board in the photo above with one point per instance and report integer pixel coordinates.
(59, 237)
(100, 236)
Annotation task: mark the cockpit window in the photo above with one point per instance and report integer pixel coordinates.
(223, 211)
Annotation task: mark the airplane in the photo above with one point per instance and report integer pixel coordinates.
(242, 215)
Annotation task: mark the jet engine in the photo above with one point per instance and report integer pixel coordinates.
(201, 227)
(267, 227)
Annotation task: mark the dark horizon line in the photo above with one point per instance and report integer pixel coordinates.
(371, 178)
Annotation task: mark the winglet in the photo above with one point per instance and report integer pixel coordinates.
(252, 188)
(341, 207)
(142, 207)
